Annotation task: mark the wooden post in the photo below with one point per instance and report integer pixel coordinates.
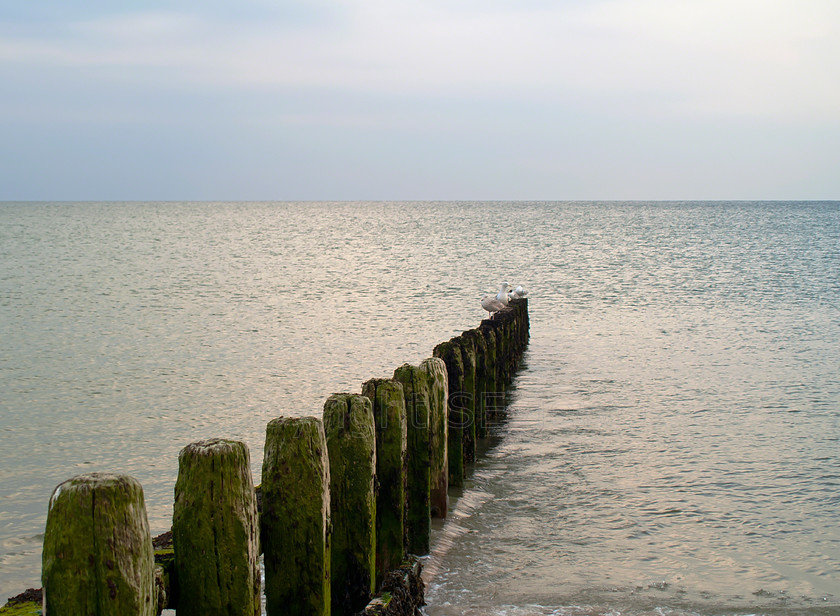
(349, 428)
(494, 395)
(435, 368)
(450, 353)
(490, 367)
(418, 515)
(509, 331)
(502, 350)
(523, 323)
(295, 515)
(388, 401)
(469, 401)
(215, 531)
(98, 557)
(476, 337)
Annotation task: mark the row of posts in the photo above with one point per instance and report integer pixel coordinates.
(344, 499)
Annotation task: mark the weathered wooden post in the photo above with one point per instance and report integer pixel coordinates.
(502, 349)
(388, 401)
(509, 331)
(215, 531)
(526, 326)
(349, 428)
(476, 337)
(491, 373)
(494, 396)
(295, 518)
(516, 327)
(468, 389)
(418, 515)
(520, 306)
(98, 558)
(435, 368)
(450, 353)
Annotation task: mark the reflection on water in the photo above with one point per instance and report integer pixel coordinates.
(627, 484)
(671, 440)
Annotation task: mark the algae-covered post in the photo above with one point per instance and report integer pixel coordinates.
(414, 432)
(438, 434)
(98, 556)
(509, 331)
(468, 392)
(476, 338)
(450, 353)
(295, 518)
(418, 515)
(523, 323)
(349, 429)
(491, 395)
(215, 530)
(502, 349)
(388, 401)
(494, 395)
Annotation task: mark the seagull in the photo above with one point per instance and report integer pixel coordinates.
(502, 295)
(518, 293)
(494, 303)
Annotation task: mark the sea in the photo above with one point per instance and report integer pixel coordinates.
(671, 441)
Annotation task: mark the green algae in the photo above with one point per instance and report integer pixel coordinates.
(388, 401)
(493, 373)
(402, 593)
(468, 390)
(215, 531)
(295, 518)
(523, 325)
(435, 368)
(479, 345)
(97, 556)
(418, 516)
(502, 351)
(450, 353)
(351, 443)
(26, 608)
(490, 364)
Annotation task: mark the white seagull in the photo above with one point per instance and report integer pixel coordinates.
(494, 303)
(517, 293)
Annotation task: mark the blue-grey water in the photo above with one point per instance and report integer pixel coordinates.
(672, 441)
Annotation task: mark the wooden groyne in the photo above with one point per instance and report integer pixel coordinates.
(343, 510)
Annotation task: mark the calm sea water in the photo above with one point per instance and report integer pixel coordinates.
(672, 440)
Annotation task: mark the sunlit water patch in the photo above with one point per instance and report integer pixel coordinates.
(670, 444)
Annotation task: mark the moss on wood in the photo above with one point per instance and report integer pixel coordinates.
(450, 353)
(387, 398)
(476, 338)
(295, 518)
(349, 429)
(215, 531)
(435, 368)
(418, 518)
(468, 395)
(97, 556)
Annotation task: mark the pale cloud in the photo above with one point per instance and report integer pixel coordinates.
(409, 99)
(768, 57)
(755, 57)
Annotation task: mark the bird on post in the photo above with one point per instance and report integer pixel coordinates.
(494, 303)
(517, 293)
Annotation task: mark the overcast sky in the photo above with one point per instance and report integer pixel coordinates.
(419, 99)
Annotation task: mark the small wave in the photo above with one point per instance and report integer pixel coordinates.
(568, 610)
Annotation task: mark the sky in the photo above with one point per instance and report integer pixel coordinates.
(419, 99)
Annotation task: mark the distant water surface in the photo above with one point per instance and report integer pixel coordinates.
(672, 438)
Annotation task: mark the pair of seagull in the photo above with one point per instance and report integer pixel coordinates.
(494, 303)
